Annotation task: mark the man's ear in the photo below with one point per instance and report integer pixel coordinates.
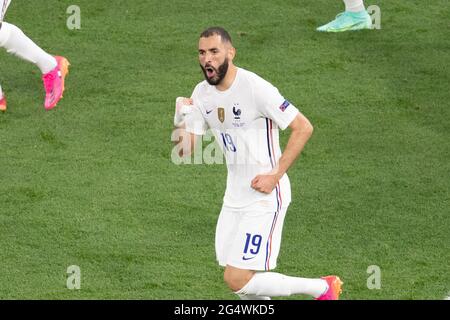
(231, 53)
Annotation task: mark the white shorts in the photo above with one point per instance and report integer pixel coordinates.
(4, 4)
(249, 238)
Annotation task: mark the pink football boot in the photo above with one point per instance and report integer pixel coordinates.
(334, 288)
(3, 103)
(54, 82)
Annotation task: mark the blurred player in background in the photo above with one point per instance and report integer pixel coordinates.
(355, 17)
(244, 113)
(54, 69)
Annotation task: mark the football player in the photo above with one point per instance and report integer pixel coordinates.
(53, 68)
(245, 113)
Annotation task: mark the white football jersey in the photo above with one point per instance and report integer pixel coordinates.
(245, 120)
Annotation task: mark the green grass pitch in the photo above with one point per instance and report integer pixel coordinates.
(92, 184)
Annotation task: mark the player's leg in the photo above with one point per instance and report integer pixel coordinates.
(355, 17)
(256, 247)
(4, 4)
(54, 69)
(273, 284)
(17, 43)
(226, 231)
(354, 5)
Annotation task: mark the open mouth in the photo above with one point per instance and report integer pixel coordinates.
(210, 71)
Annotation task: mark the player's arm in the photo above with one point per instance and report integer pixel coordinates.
(184, 140)
(301, 131)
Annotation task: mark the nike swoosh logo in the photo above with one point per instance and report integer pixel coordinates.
(208, 111)
(246, 258)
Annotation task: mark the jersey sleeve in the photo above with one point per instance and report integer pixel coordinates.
(273, 105)
(195, 122)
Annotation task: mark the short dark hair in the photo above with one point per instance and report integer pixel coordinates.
(217, 31)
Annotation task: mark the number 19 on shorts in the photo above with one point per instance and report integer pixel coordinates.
(252, 246)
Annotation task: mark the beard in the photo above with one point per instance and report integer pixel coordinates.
(219, 74)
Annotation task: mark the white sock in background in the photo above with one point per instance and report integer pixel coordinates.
(354, 5)
(1, 92)
(272, 284)
(252, 297)
(17, 43)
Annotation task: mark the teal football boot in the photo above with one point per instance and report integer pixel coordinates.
(347, 20)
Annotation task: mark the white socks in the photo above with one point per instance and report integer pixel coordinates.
(17, 43)
(354, 5)
(1, 92)
(252, 297)
(272, 284)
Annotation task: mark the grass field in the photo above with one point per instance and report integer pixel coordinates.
(92, 184)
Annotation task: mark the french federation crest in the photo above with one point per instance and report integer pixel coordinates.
(221, 114)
